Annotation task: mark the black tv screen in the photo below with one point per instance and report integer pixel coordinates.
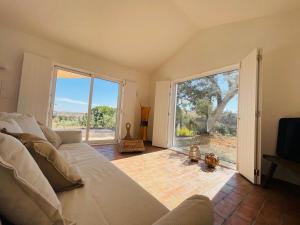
(288, 141)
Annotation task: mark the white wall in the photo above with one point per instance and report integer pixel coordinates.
(278, 35)
(13, 44)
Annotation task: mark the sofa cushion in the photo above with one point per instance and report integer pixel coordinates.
(70, 136)
(109, 196)
(51, 136)
(10, 125)
(28, 197)
(196, 210)
(27, 123)
(60, 175)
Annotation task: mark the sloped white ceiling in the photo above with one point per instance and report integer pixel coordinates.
(140, 34)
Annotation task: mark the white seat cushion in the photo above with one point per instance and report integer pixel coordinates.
(109, 196)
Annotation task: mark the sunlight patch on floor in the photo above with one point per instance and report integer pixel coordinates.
(171, 178)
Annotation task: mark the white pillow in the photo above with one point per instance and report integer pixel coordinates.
(10, 125)
(27, 123)
(28, 196)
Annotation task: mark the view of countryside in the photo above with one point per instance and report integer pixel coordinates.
(71, 105)
(206, 115)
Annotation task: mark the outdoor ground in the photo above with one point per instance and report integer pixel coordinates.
(225, 147)
(99, 134)
(95, 134)
(170, 177)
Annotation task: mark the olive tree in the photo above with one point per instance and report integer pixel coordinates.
(206, 97)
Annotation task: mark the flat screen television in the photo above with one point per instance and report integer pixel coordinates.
(288, 141)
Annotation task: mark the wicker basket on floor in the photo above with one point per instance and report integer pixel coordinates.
(133, 145)
(129, 144)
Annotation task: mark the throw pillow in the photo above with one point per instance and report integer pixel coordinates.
(60, 175)
(27, 123)
(28, 197)
(10, 125)
(51, 136)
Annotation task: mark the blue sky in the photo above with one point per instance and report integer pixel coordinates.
(72, 94)
(232, 105)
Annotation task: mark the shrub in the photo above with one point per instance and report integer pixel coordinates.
(101, 117)
(184, 132)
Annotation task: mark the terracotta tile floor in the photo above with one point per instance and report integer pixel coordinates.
(171, 178)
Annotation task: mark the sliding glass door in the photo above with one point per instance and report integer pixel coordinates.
(84, 102)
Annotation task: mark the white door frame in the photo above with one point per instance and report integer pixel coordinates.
(93, 76)
(87, 133)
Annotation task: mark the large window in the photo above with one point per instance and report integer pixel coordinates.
(87, 103)
(206, 115)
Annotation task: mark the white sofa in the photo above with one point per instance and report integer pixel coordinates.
(110, 197)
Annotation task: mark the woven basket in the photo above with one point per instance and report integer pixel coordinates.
(133, 145)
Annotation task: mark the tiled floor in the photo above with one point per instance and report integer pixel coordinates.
(171, 178)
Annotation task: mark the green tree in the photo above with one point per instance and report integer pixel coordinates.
(103, 117)
(202, 94)
(83, 120)
(203, 108)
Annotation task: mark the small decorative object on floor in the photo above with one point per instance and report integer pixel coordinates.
(211, 160)
(129, 144)
(145, 110)
(127, 136)
(194, 153)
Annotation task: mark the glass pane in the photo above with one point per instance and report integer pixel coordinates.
(71, 101)
(104, 110)
(206, 115)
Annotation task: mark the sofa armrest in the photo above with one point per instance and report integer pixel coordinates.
(196, 210)
(70, 136)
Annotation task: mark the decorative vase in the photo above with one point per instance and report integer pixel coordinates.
(211, 160)
(145, 110)
(194, 153)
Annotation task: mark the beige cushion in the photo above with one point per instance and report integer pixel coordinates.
(27, 123)
(51, 136)
(70, 136)
(10, 125)
(196, 210)
(60, 175)
(28, 197)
